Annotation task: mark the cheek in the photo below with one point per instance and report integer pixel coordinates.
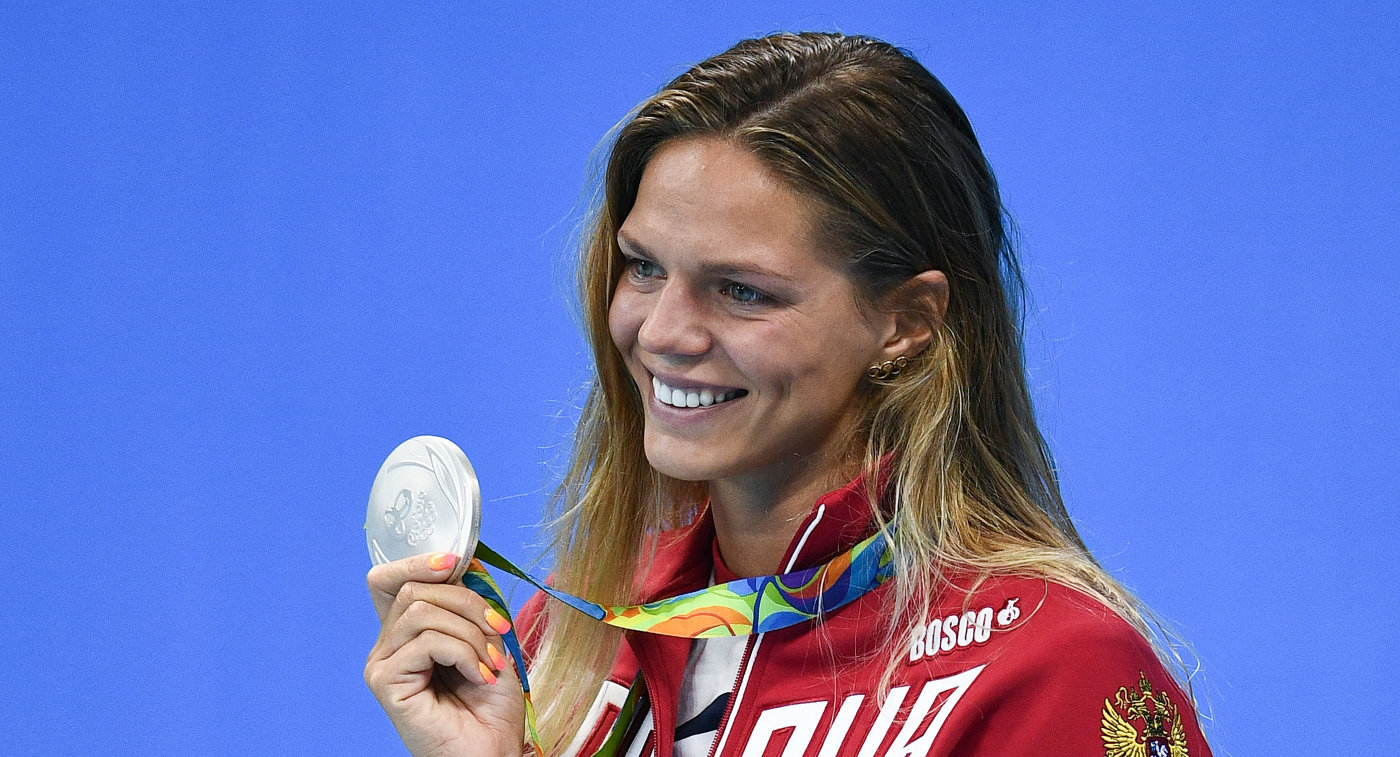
(625, 318)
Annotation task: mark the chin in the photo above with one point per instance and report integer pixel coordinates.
(672, 466)
(684, 460)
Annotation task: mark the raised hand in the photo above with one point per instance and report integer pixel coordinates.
(439, 667)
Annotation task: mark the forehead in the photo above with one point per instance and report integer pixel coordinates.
(705, 198)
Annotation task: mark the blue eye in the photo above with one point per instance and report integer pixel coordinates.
(744, 294)
(643, 269)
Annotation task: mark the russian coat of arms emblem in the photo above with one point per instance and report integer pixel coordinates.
(1160, 734)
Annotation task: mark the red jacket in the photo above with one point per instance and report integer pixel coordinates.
(1024, 666)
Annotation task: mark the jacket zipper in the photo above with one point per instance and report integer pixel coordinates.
(733, 694)
(651, 705)
(806, 529)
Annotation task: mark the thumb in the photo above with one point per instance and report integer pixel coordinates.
(385, 580)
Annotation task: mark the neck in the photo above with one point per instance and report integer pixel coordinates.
(757, 515)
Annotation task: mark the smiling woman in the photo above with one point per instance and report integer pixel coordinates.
(728, 292)
(803, 307)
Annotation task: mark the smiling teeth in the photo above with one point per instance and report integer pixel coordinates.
(683, 398)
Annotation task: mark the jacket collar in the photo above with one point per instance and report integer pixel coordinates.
(838, 520)
(684, 560)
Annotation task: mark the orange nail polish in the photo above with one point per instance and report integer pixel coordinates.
(442, 561)
(486, 672)
(498, 660)
(497, 623)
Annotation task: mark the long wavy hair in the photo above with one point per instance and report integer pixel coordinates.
(864, 131)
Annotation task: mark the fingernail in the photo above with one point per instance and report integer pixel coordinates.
(497, 623)
(486, 672)
(498, 661)
(442, 561)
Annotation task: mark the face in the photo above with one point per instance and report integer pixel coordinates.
(742, 334)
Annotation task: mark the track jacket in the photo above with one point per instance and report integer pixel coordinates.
(1022, 666)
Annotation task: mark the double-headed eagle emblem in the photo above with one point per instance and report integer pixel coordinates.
(1161, 734)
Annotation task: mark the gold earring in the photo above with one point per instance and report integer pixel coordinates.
(888, 369)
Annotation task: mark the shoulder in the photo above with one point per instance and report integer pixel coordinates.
(1070, 675)
(532, 621)
(1050, 622)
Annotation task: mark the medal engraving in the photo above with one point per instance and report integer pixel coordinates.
(424, 499)
(411, 517)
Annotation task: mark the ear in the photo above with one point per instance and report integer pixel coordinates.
(916, 309)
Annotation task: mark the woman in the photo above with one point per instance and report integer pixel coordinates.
(803, 308)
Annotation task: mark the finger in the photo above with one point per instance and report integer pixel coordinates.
(423, 616)
(386, 579)
(409, 670)
(454, 598)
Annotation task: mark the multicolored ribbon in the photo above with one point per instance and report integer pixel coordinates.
(737, 608)
(478, 580)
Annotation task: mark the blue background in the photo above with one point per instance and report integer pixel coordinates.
(245, 249)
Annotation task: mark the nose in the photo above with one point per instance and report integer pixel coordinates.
(675, 324)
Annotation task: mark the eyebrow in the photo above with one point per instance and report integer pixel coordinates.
(715, 269)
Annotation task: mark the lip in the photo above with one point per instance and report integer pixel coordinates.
(685, 416)
(676, 382)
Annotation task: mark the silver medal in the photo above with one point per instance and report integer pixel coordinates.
(424, 499)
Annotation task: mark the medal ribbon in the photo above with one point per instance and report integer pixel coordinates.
(740, 607)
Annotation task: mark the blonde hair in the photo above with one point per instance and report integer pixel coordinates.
(867, 133)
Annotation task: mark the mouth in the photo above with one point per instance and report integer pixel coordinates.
(687, 397)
